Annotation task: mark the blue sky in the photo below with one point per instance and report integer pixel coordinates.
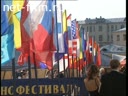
(82, 9)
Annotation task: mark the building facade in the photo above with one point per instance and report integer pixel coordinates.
(119, 37)
(101, 29)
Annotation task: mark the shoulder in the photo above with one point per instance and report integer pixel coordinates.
(85, 80)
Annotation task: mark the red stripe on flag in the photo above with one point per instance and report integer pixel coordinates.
(74, 42)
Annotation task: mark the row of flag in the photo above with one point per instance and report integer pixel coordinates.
(51, 35)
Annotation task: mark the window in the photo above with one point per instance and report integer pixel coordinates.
(108, 28)
(94, 28)
(115, 27)
(94, 37)
(100, 28)
(87, 29)
(90, 28)
(100, 38)
(122, 26)
(112, 37)
(124, 37)
(108, 38)
(118, 37)
(112, 28)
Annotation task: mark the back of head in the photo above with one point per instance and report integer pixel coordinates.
(114, 64)
(102, 70)
(93, 71)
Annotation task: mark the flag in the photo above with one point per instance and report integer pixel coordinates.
(37, 25)
(4, 19)
(42, 33)
(58, 56)
(16, 21)
(60, 30)
(25, 38)
(90, 49)
(7, 38)
(87, 49)
(83, 37)
(41, 28)
(65, 32)
(74, 38)
(83, 44)
(69, 34)
(94, 51)
(7, 47)
(78, 39)
(80, 63)
(63, 60)
(43, 65)
(98, 56)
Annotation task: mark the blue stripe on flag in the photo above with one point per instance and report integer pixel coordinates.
(4, 19)
(43, 65)
(47, 19)
(18, 15)
(7, 47)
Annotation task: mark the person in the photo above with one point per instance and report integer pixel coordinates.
(48, 74)
(55, 73)
(60, 75)
(114, 82)
(102, 72)
(92, 81)
(123, 69)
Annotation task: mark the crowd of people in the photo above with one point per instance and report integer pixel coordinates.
(98, 82)
(22, 74)
(55, 73)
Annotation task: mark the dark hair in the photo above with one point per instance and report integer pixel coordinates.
(92, 71)
(114, 64)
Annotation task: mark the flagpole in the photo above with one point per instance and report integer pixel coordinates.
(73, 66)
(64, 63)
(29, 68)
(35, 68)
(14, 76)
(77, 64)
(68, 67)
(63, 37)
(56, 33)
(29, 63)
(57, 37)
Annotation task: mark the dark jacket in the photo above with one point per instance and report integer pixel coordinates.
(113, 84)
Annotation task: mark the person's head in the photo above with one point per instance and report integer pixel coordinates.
(48, 74)
(114, 64)
(102, 71)
(93, 71)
